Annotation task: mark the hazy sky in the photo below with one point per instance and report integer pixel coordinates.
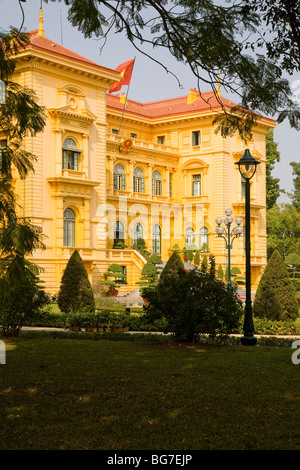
(150, 81)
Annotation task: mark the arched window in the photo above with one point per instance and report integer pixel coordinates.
(70, 155)
(119, 177)
(69, 228)
(137, 232)
(203, 239)
(189, 237)
(156, 235)
(118, 231)
(138, 181)
(156, 184)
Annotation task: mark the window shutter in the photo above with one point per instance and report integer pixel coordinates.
(142, 184)
(153, 186)
(72, 234)
(115, 181)
(123, 182)
(134, 184)
(76, 161)
(64, 159)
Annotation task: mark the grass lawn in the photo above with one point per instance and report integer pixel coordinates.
(82, 394)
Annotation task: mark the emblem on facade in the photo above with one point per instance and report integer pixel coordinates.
(126, 146)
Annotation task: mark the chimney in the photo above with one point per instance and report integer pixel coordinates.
(123, 99)
(192, 96)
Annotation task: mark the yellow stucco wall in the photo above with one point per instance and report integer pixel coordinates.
(75, 99)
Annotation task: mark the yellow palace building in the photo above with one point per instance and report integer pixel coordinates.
(164, 176)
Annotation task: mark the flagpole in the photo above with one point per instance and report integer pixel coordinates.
(125, 100)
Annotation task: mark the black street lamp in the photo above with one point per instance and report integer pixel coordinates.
(236, 231)
(247, 167)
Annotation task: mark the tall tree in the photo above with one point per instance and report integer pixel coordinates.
(272, 156)
(76, 293)
(275, 298)
(295, 194)
(21, 115)
(214, 41)
(283, 229)
(20, 292)
(280, 20)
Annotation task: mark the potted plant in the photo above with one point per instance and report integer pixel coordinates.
(73, 322)
(104, 321)
(114, 271)
(119, 323)
(90, 322)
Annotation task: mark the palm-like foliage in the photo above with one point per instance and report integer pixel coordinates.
(20, 116)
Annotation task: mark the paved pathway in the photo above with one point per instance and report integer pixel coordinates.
(46, 328)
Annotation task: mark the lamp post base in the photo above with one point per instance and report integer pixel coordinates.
(248, 340)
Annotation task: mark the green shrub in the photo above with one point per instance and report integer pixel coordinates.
(76, 293)
(101, 321)
(296, 283)
(154, 259)
(173, 266)
(220, 272)
(197, 258)
(142, 323)
(204, 264)
(194, 303)
(263, 326)
(47, 319)
(149, 275)
(275, 297)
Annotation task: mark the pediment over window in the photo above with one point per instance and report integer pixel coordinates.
(194, 164)
(72, 96)
(72, 108)
(65, 112)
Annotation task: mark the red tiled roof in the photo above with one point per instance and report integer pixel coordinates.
(172, 107)
(44, 44)
(169, 107)
(152, 110)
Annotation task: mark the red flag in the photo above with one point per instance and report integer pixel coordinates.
(126, 72)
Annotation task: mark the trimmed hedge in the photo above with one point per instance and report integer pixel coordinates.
(138, 322)
(153, 338)
(263, 326)
(61, 320)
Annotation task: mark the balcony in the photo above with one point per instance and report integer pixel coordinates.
(143, 145)
(74, 173)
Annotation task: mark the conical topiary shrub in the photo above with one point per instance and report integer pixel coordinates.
(220, 273)
(155, 259)
(197, 258)
(275, 298)
(76, 293)
(149, 275)
(173, 266)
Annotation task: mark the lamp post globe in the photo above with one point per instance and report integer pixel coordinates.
(228, 241)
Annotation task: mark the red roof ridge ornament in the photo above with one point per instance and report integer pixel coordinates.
(41, 33)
